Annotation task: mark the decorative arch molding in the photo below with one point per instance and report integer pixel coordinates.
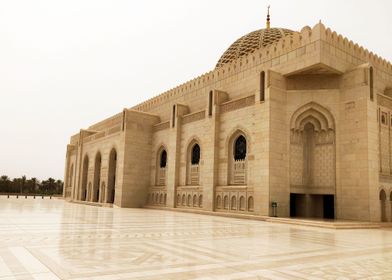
(192, 140)
(312, 149)
(160, 146)
(314, 112)
(383, 194)
(234, 133)
(113, 147)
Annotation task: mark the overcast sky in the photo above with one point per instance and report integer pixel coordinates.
(67, 64)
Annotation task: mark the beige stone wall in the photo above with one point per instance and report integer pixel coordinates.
(353, 158)
(314, 66)
(135, 180)
(159, 140)
(91, 149)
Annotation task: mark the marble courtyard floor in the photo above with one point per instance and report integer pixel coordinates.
(52, 239)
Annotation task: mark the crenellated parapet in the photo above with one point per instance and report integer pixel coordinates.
(287, 48)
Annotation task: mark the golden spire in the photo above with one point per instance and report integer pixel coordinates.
(268, 18)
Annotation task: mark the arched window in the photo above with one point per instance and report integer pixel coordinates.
(189, 200)
(237, 169)
(194, 200)
(178, 199)
(240, 148)
(83, 193)
(164, 199)
(233, 203)
(161, 170)
(201, 201)
(195, 159)
(250, 204)
(163, 159)
(161, 198)
(192, 166)
(218, 202)
(226, 202)
(242, 203)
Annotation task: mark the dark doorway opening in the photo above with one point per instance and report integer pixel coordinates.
(329, 206)
(312, 206)
(293, 210)
(112, 198)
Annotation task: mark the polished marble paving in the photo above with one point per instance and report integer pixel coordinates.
(52, 239)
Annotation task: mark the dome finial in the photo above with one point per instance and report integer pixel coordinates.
(268, 18)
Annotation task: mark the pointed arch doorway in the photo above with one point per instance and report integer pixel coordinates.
(312, 162)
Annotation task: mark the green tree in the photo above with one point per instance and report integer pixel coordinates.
(4, 183)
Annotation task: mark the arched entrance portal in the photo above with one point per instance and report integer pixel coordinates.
(312, 162)
(383, 205)
(110, 195)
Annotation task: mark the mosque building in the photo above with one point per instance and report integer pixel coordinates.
(288, 123)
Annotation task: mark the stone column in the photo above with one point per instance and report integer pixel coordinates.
(279, 190)
(211, 148)
(174, 149)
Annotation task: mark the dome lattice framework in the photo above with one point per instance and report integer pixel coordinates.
(251, 42)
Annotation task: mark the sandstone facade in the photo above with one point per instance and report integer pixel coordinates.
(297, 120)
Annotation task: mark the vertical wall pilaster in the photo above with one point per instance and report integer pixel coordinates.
(279, 189)
(66, 171)
(211, 147)
(357, 149)
(260, 147)
(78, 167)
(174, 150)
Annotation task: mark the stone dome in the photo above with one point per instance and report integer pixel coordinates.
(251, 42)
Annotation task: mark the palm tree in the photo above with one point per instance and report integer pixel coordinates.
(59, 187)
(4, 183)
(4, 178)
(34, 182)
(23, 182)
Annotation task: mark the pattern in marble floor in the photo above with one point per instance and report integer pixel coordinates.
(52, 239)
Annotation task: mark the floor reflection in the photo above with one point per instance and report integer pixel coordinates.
(52, 239)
